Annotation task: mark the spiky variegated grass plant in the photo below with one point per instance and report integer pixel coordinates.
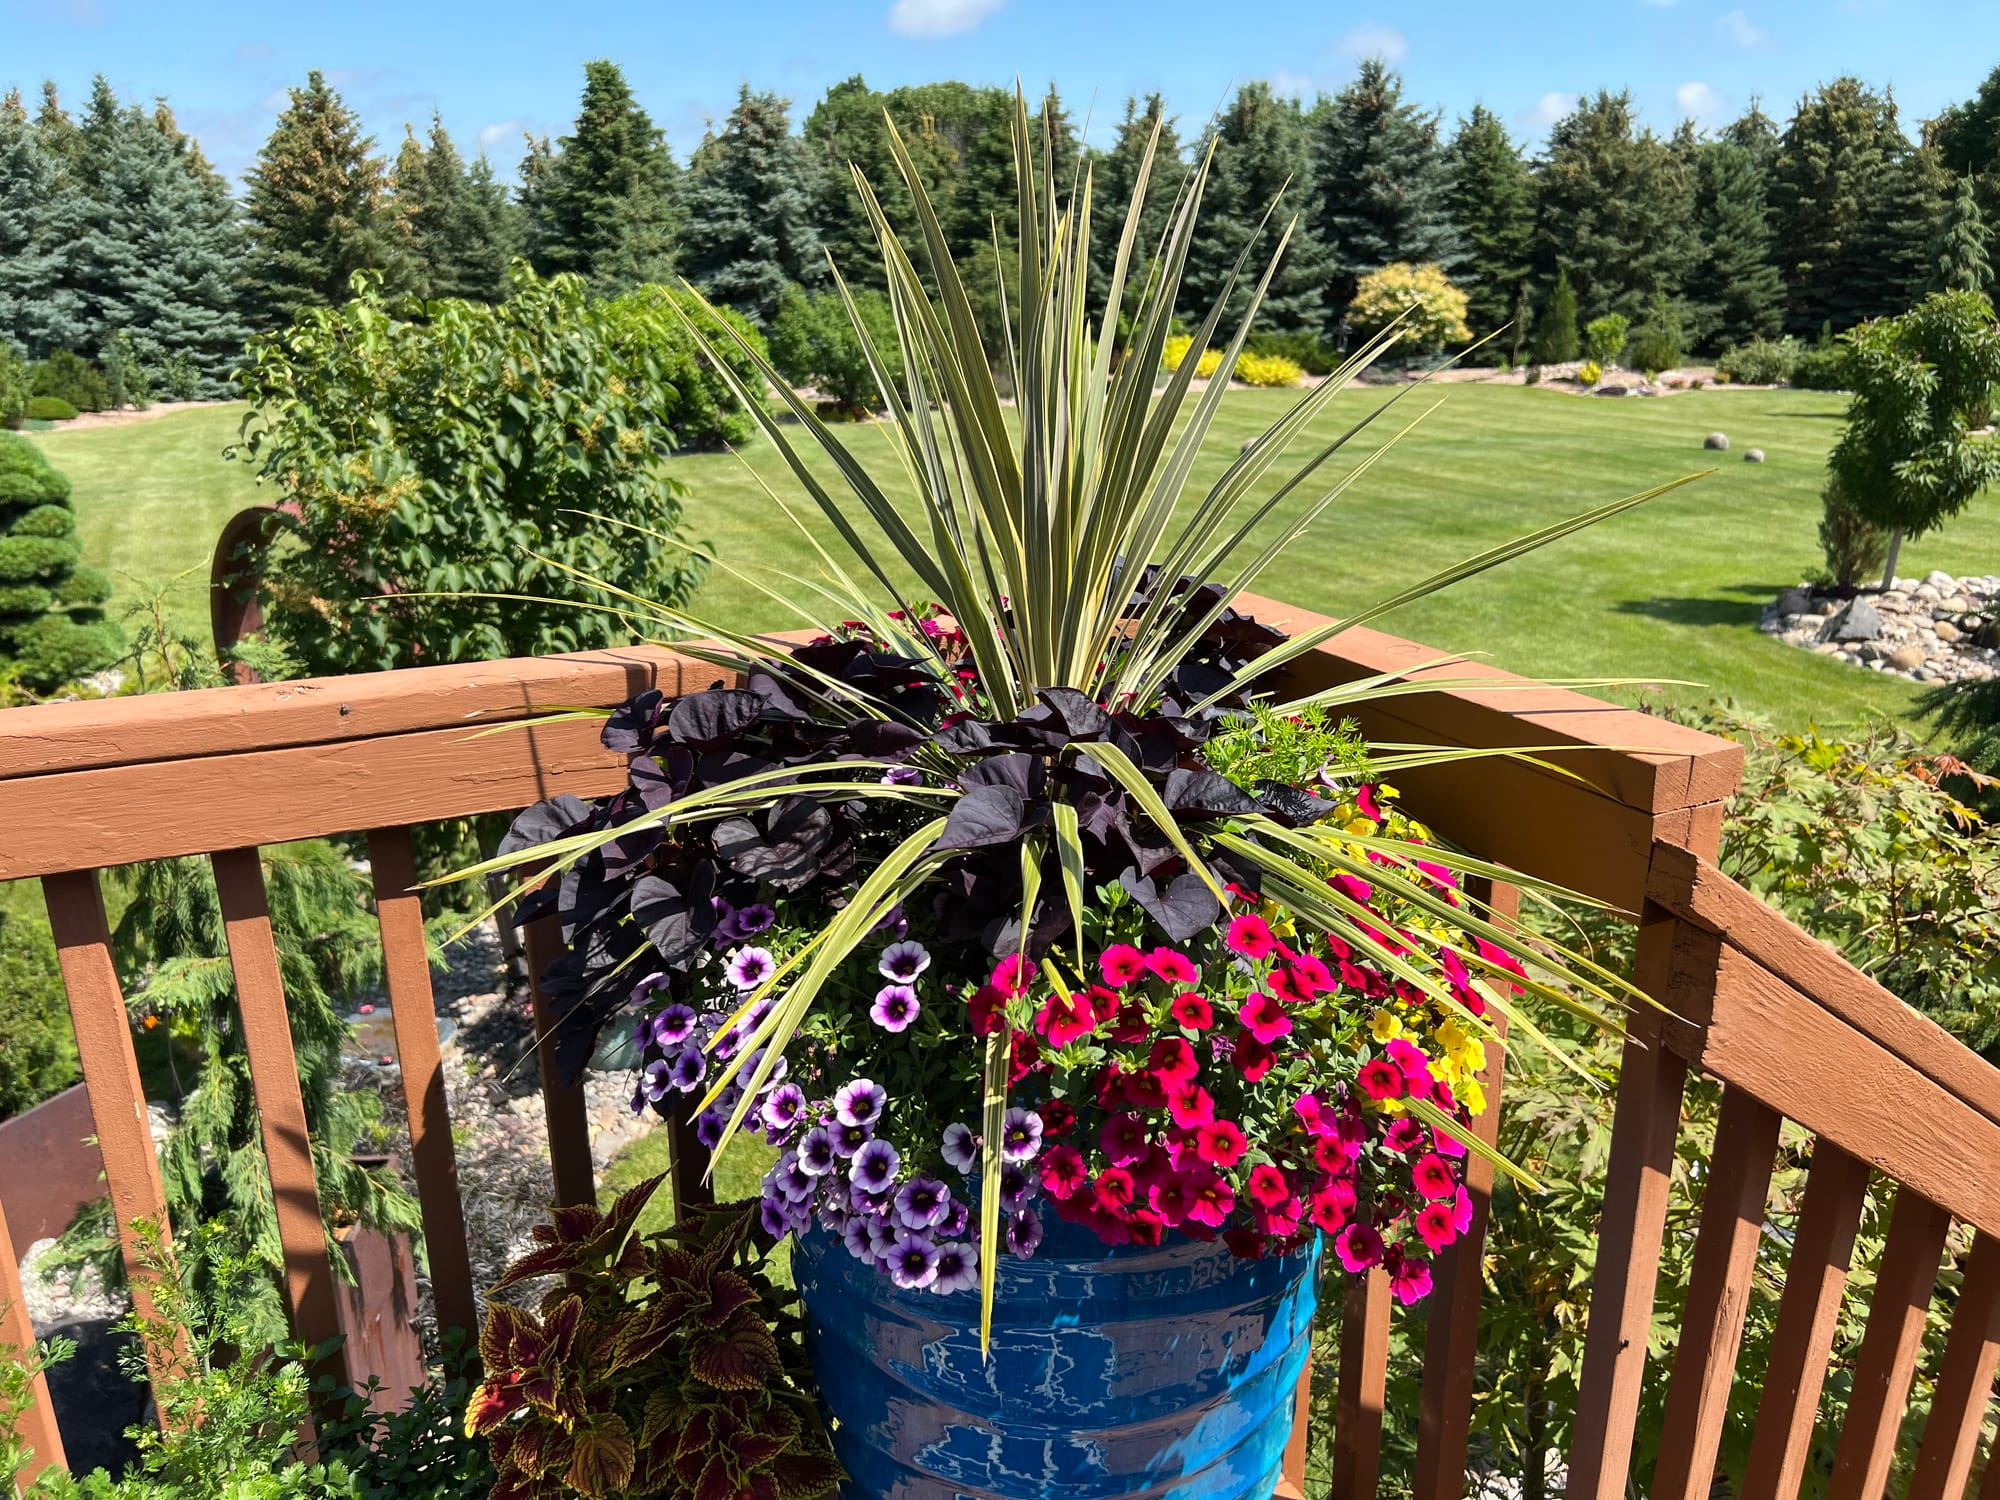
(1051, 535)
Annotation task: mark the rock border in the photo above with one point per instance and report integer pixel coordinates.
(1936, 630)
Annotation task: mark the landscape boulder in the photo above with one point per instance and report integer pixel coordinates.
(1719, 441)
(1795, 600)
(1753, 455)
(1859, 621)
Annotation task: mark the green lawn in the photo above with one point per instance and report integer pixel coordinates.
(1672, 590)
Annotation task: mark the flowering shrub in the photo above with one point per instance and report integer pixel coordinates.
(1177, 349)
(1590, 372)
(1268, 369)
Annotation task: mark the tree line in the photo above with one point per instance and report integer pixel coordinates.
(116, 233)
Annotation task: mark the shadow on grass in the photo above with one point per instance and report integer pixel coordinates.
(1745, 609)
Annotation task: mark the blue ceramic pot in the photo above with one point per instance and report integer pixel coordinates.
(1116, 1371)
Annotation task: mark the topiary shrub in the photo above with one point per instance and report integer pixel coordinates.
(49, 409)
(14, 393)
(1604, 338)
(52, 629)
(1760, 361)
(37, 1045)
(813, 342)
(72, 378)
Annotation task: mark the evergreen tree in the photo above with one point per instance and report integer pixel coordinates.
(1114, 181)
(1492, 206)
(1556, 340)
(58, 132)
(1733, 290)
(456, 218)
(1260, 146)
(1892, 264)
(1756, 133)
(603, 202)
(1830, 175)
(317, 208)
(847, 133)
(1958, 259)
(1968, 135)
(1380, 184)
(1614, 206)
(52, 625)
(749, 195)
(41, 210)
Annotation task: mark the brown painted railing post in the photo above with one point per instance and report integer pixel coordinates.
(407, 971)
(281, 1110)
(1965, 1381)
(562, 1105)
(17, 1334)
(1364, 1370)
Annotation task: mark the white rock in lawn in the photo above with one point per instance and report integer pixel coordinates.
(1719, 441)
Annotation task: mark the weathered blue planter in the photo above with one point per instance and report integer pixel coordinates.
(1158, 1374)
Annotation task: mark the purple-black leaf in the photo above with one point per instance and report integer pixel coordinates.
(632, 725)
(545, 821)
(1206, 794)
(1184, 910)
(711, 719)
(985, 815)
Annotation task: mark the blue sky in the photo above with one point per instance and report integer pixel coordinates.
(505, 66)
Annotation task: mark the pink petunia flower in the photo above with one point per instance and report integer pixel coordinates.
(1365, 803)
(1406, 1135)
(1254, 1059)
(1411, 1281)
(1353, 887)
(1433, 1177)
(1435, 1227)
(1191, 1105)
(1220, 1143)
(1063, 1171)
(1173, 1060)
(1123, 1139)
(1173, 967)
(1461, 1210)
(1193, 1011)
(1013, 975)
(1113, 1189)
(1316, 1117)
(1209, 1199)
(1250, 935)
(1359, 1247)
(1381, 1079)
(1120, 964)
(1267, 1187)
(1065, 1020)
(1264, 1018)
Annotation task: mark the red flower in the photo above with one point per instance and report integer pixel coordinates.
(1312, 975)
(1192, 1106)
(1330, 1209)
(1415, 1066)
(1434, 1226)
(986, 1008)
(1024, 1058)
(1145, 1226)
(1220, 1143)
(1065, 1020)
(1175, 968)
(1169, 1198)
(1365, 803)
(1120, 964)
(1128, 1023)
(1335, 1156)
(1172, 1059)
(1123, 1138)
(1461, 1210)
(1193, 1011)
(1145, 1091)
(1316, 1117)
(1434, 1177)
(1113, 1190)
(1406, 1135)
(1267, 1187)
(1057, 1117)
(1280, 1222)
(1250, 935)
(1264, 1018)
(1284, 983)
(1254, 1059)
(1381, 1079)
(1411, 1281)
(1359, 1248)
(1013, 974)
(1209, 1199)
(1062, 1171)
(1353, 887)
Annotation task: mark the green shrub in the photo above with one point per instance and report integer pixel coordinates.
(1267, 370)
(26, 478)
(1658, 344)
(14, 391)
(37, 1043)
(45, 520)
(52, 630)
(1604, 338)
(1853, 548)
(1555, 341)
(813, 343)
(704, 412)
(1309, 352)
(49, 409)
(180, 378)
(126, 380)
(1432, 309)
(1760, 361)
(72, 378)
(1823, 367)
(27, 559)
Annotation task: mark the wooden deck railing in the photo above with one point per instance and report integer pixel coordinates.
(1789, 1029)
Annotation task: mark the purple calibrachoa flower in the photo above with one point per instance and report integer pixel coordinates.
(903, 962)
(752, 919)
(881, 1236)
(956, 1222)
(782, 1109)
(686, 1068)
(754, 1060)
(1014, 1184)
(750, 967)
(816, 1152)
(672, 1026)
(923, 1203)
(859, 1102)
(913, 1262)
(771, 1214)
(875, 1166)
(848, 1139)
(860, 1243)
(1024, 1232)
(960, 1146)
(902, 776)
(1022, 1136)
(658, 1080)
(894, 1008)
(708, 1127)
(956, 1268)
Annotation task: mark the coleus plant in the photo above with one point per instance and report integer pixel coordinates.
(650, 1368)
(960, 885)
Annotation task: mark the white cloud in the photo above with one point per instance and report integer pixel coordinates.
(1374, 40)
(1295, 85)
(1740, 30)
(939, 17)
(1698, 101)
(500, 130)
(1547, 110)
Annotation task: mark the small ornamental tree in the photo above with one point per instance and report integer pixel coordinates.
(441, 458)
(52, 625)
(1604, 338)
(13, 386)
(1907, 461)
(1658, 345)
(813, 342)
(1435, 308)
(1958, 259)
(1555, 327)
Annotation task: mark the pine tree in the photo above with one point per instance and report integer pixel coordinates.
(317, 209)
(1757, 133)
(1830, 175)
(1556, 341)
(1114, 180)
(1958, 258)
(749, 194)
(1260, 147)
(457, 219)
(1613, 209)
(58, 132)
(1492, 205)
(40, 212)
(603, 203)
(1892, 266)
(1380, 184)
(1734, 290)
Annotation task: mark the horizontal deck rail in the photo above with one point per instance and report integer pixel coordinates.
(1632, 817)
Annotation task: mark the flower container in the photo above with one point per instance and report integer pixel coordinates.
(1158, 1373)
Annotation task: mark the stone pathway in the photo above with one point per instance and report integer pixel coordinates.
(1936, 630)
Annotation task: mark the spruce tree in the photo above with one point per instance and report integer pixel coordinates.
(41, 211)
(1757, 133)
(1830, 176)
(317, 209)
(58, 132)
(749, 194)
(1114, 180)
(1613, 210)
(1892, 266)
(1556, 341)
(1958, 258)
(456, 218)
(1380, 184)
(603, 202)
(1492, 206)
(1260, 149)
(1733, 290)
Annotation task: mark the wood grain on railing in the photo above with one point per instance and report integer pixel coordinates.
(37, 1425)
(1964, 1390)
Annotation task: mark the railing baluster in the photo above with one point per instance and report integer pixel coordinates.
(1808, 1315)
(37, 1425)
(1451, 1342)
(1889, 1349)
(563, 1106)
(406, 969)
(110, 1069)
(1725, 1257)
(1364, 1375)
(1292, 1470)
(274, 1076)
(1965, 1381)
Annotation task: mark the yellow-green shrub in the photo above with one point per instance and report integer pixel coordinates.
(1268, 369)
(1591, 372)
(1177, 350)
(1436, 308)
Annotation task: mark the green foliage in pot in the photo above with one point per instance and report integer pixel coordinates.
(650, 1368)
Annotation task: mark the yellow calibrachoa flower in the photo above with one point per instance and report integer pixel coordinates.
(1385, 1026)
(1473, 1096)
